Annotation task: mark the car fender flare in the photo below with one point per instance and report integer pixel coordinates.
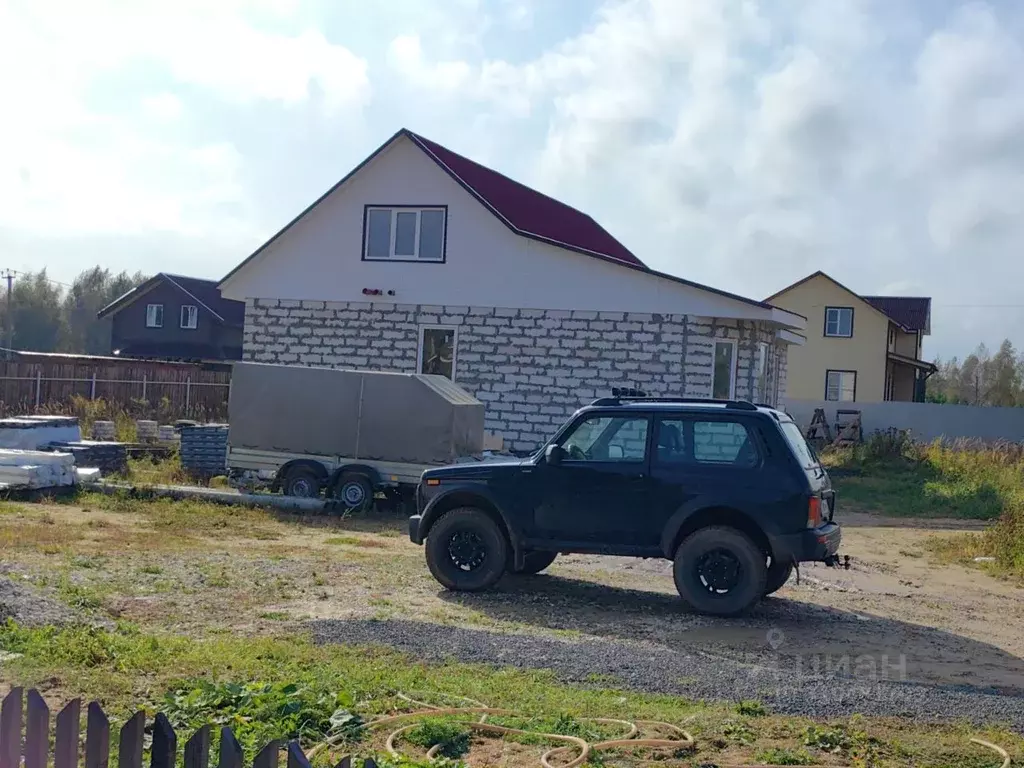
(465, 495)
(694, 507)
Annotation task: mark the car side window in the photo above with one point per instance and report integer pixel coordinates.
(724, 442)
(671, 442)
(608, 438)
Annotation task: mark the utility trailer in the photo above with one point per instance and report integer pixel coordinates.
(347, 434)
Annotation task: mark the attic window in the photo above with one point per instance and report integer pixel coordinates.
(154, 315)
(189, 316)
(403, 233)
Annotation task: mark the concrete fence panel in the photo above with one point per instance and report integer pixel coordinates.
(926, 421)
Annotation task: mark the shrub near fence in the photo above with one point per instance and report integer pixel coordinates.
(163, 749)
(188, 391)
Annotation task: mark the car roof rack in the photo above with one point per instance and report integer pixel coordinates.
(739, 405)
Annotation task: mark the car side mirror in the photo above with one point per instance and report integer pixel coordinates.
(554, 454)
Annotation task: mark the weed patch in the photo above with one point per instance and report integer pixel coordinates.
(897, 477)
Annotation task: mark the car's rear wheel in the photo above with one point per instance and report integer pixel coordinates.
(720, 571)
(778, 574)
(467, 551)
(535, 563)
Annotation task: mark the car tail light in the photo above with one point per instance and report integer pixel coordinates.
(814, 512)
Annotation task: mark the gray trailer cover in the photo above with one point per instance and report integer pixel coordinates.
(400, 417)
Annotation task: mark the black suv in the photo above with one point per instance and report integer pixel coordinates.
(730, 491)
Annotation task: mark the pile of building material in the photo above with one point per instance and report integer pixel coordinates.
(204, 449)
(146, 431)
(28, 433)
(108, 457)
(104, 430)
(36, 469)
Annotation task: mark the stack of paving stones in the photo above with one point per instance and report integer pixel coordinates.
(204, 449)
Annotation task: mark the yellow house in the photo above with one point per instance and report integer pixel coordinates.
(859, 348)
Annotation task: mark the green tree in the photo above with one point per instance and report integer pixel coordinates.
(92, 290)
(1004, 377)
(35, 313)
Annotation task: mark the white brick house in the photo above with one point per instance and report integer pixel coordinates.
(421, 259)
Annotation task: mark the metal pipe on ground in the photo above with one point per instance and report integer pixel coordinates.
(269, 501)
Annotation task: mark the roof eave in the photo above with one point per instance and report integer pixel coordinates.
(130, 296)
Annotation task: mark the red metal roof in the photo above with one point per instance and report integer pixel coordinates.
(526, 210)
(909, 311)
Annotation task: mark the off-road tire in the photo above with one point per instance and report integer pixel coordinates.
(778, 574)
(345, 490)
(536, 562)
(302, 482)
(471, 522)
(753, 571)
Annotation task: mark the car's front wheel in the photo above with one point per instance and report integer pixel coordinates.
(720, 571)
(536, 562)
(467, 551)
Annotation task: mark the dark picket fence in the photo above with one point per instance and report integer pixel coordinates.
(35, 718)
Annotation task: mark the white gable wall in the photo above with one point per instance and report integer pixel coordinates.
(487, 264)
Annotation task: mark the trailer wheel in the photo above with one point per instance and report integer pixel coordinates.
(302, 482)
(355, 492)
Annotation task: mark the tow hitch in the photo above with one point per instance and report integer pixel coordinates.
(833, 561)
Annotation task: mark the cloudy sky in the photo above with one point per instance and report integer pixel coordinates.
(741, 143)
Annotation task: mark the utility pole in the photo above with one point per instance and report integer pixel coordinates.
(8, 275)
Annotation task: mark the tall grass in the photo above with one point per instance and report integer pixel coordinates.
(124, 415)
(892, 474)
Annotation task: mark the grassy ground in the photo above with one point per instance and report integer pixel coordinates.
(246, 681)
(203, 608)
(891, 475)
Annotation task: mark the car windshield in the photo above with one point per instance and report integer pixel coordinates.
(804, 452)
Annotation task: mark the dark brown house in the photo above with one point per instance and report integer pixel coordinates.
(171, 317)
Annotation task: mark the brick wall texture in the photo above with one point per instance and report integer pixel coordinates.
(531, 368)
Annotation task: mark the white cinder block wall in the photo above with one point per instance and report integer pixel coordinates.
(531, 367)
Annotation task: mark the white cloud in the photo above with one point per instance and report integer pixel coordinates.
(70, 164)
(748, 142)
(163, 106)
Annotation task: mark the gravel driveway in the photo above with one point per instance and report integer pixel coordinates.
(695, 675)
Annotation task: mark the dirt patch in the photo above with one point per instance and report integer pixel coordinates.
(30, 606)
(895, 613)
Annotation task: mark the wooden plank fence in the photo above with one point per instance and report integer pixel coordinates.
(32, 714)
(187, 390)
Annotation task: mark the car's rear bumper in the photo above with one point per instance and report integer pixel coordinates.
(813, 545)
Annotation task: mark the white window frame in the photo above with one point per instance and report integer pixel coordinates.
(394, 211)
(193, 315)
(838, 322)
(839, 386)
(732, 370)
(151, 318)
(455, 346)
(762, 358)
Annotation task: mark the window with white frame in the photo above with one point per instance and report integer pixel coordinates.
(723, 382)
(189, 316)
(761, 364)
(839, 321)
(841, 386)
(154, 315)
(405, 234)
(437, 351)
